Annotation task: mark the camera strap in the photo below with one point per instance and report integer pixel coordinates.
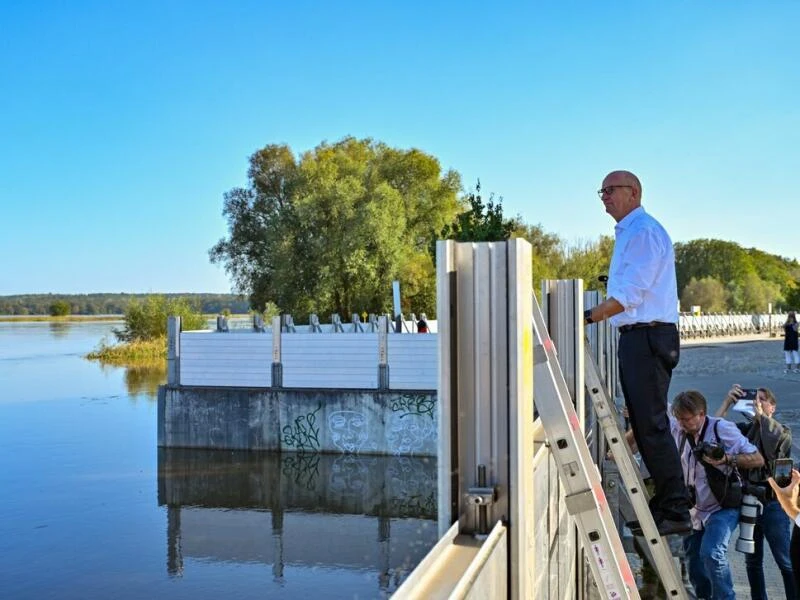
(691, 473)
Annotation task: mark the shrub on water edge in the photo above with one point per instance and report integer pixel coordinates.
(147, 320)
(143, 352)
(60, 308)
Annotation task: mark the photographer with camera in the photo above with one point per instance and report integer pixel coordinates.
(787, 497)
(774, 441)
(711, 450)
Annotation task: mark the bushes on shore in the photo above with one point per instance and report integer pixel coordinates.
(139, 352)
(143, 336)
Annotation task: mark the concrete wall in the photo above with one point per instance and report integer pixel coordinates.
(402, 423)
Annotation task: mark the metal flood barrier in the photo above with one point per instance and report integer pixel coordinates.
(505, 531)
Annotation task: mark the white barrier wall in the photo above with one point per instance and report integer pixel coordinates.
(330, 360)
(413, 362)
(318, 360)
(226, 359)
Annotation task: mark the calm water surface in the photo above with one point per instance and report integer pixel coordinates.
(90, 508)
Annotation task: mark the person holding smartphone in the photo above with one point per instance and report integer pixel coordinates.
(787, 497)
(774, 441)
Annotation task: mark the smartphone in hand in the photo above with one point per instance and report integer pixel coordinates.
(783, 471)
(748, 394)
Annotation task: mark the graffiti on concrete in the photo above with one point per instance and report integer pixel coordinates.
(303, 433)
(348, 429)
(409, 433)
(302, 469)
(412, 488)
(349, 476)
(414, 404)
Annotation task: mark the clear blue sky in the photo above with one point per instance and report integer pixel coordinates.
(123, 123)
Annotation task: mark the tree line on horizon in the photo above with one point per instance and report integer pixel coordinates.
(330, 229)
(112, 304)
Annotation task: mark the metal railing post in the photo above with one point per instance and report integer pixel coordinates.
(277, 364)
(173, 350)
(383, 353)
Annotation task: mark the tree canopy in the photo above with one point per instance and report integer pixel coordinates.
(330, 231)
(60, 308)
(750, 278)
(479, 222)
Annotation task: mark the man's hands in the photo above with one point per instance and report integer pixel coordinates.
(716, 463)
(736, 393)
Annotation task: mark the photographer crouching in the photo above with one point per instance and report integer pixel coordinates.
(711, 451)
(774, 441)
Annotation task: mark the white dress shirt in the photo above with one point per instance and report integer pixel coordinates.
(642, 273)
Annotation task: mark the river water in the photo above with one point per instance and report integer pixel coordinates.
(91, 508)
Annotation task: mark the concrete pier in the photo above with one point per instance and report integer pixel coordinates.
(383, 422)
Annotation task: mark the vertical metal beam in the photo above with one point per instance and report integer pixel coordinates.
(564, 299)
(521, 511)
(466, 393)
(277, 359)
(383, 353)
(447, 396)
(174, 350)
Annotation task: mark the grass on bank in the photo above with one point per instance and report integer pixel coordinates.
(141, 352)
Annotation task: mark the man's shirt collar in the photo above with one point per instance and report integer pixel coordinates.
(629, 219)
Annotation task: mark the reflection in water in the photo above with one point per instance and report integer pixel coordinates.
(59, 329)
(344, 513)
(145, 379)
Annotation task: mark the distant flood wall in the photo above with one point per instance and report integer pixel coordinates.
(383, 422)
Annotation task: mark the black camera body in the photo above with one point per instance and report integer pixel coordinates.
(709, 449)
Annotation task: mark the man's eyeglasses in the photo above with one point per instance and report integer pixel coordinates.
(609, 189)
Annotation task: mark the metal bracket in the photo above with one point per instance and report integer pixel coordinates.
(481, 496)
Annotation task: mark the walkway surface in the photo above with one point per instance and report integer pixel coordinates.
(712, 366)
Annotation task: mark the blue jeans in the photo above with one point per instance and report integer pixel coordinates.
(707, 556)
(776, 527)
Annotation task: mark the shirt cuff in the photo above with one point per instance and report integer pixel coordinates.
(797, 520)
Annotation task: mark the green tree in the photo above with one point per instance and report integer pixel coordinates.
(724, 261)
(60, 308)
(707, 293)
(329, 232)
(757, 294)
(147, 319)
(547, 256)
(479, 222)
(587, 260)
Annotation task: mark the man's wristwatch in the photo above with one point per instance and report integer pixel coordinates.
(587, 316)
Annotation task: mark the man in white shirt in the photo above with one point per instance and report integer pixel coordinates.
(642, 303)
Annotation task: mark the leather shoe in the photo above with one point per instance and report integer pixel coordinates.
(665, 527)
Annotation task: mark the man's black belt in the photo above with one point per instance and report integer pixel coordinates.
(624, 328)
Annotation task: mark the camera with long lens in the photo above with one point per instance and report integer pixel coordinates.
(752, 498)
(709, 449)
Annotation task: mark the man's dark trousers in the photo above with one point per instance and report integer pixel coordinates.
(647, 356)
